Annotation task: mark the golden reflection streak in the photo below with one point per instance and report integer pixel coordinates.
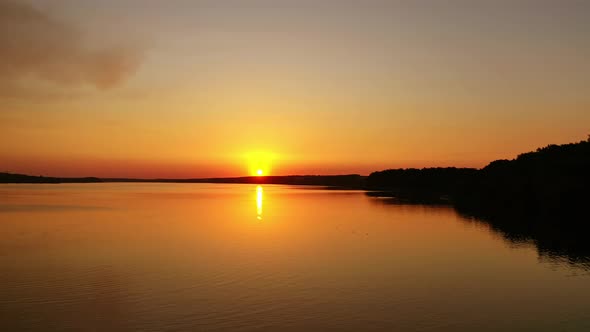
(259, 202)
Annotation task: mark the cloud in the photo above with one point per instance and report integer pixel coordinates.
(35, 45)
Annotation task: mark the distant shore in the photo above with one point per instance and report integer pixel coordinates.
(539, 196)
(551, 181)
(349, 181)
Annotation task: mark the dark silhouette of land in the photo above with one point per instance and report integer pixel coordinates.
(544, 182)
(541, 197)
(350, 181)
(426, 185)
(21, 178)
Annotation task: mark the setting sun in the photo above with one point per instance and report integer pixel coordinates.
(259, 163)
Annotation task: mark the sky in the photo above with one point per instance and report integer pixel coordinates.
(179, 88)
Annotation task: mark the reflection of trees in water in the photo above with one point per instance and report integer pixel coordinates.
(559, 239)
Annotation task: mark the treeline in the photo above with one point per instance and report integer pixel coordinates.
(551, 180)
(350, 181)
(420, 185)
(547, 181)
(21, 178)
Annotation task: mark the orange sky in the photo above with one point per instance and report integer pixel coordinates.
(193, 89)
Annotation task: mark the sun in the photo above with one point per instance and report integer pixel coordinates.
(259, 162)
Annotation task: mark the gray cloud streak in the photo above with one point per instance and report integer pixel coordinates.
(33, 44)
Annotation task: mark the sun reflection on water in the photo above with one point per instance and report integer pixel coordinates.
(259, 197)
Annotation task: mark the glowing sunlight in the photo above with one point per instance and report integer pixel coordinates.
(259, 163)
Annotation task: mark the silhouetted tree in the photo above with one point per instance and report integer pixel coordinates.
(552, 180)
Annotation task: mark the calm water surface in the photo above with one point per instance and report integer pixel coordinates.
(200, 257)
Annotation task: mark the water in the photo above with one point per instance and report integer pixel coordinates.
(200, 257)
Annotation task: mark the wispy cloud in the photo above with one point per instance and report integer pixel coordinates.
(36, 45)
